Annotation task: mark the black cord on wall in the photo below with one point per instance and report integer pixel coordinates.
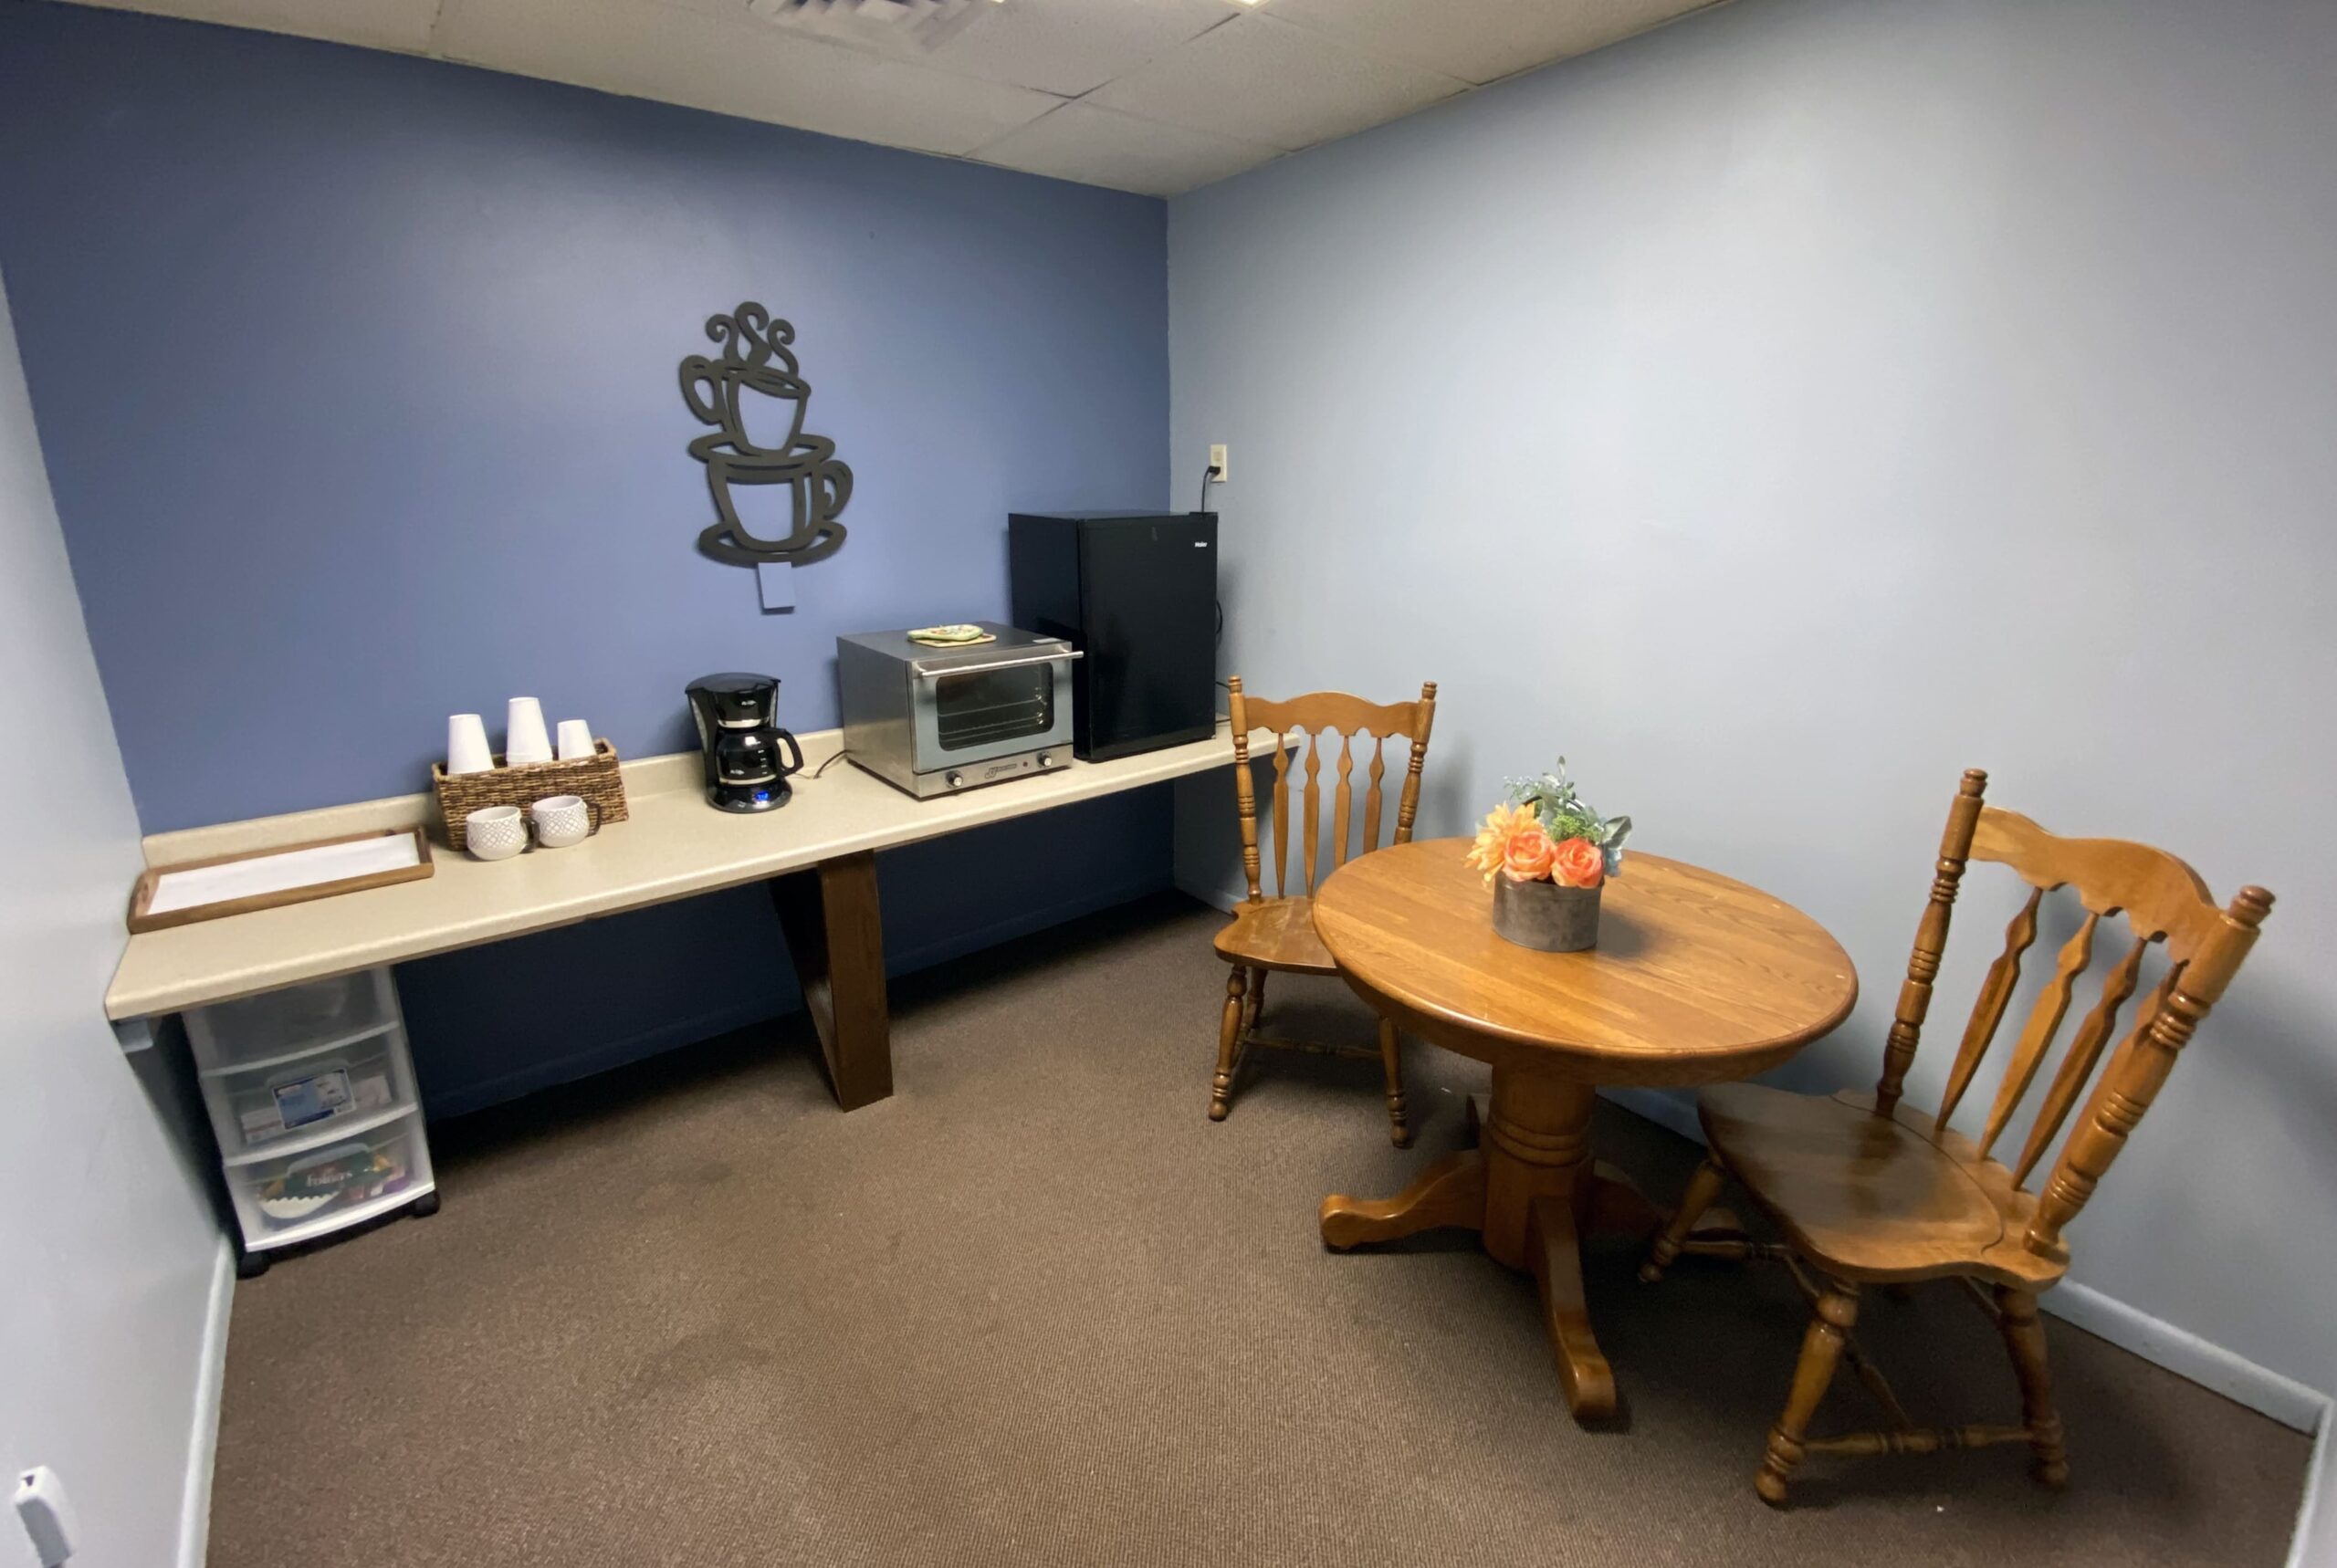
(1209, 474)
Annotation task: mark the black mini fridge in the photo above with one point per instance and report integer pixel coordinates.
(1136, 594)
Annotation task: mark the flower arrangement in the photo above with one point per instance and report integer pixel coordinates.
(1546, 833)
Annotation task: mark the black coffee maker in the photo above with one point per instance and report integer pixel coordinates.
(747, 755)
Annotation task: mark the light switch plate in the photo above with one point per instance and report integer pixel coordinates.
(775, 580)
(47, 1515)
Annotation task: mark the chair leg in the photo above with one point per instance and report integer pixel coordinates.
(1391, 1058)
(1702, 1187)
(1254, 1006)
(1229, 1039)
(1821, 1349)
(2025, 1337)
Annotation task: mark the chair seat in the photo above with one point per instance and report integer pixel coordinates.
(1276, 933)
(1874, 1198)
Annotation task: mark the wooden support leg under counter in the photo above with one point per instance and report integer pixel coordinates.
(835, 933)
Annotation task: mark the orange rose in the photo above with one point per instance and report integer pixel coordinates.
(1527, 851)
(1578, 863)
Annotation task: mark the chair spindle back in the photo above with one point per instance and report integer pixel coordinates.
(2163, 900)
(1346, 719)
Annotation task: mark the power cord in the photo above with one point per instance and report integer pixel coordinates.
(1209, 476)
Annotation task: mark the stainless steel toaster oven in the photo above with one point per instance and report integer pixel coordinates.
(934, 721)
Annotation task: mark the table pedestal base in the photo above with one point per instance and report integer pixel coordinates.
(1531, 1189)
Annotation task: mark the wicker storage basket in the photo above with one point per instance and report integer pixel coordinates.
(595, 777)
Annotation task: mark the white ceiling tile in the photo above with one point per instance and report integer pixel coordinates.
(1097, 147)
(1072, 47)
(1062, 46)
(735, 66)
(726, 9)
(1479, 40)
(402, 25)
(1172, 93)
(1264, 80)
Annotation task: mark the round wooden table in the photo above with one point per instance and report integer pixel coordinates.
(1696, 978)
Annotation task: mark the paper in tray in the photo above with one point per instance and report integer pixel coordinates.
(173, 896)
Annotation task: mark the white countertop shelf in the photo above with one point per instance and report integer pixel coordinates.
(674, 846)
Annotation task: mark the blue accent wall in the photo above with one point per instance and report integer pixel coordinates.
(355, 374)
(489, 1023)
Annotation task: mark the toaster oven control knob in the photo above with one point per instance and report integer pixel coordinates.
(953, 779)
(1046, 759)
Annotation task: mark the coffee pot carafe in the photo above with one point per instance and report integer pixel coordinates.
(747, 757)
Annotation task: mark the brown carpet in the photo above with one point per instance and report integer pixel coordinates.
(1036, 1309)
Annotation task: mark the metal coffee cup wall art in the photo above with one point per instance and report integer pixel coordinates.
(760, 463)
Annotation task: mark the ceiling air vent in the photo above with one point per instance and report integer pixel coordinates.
(926, 23)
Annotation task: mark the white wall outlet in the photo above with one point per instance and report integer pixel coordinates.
(1217, 461)
(47, 1513)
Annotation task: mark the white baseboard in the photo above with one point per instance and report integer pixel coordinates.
(2315, 1544)
(2210, 1366)
(203, 1438)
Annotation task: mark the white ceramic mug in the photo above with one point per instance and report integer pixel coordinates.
(562, 820)
(575, 740)
(524, 738)
(467, 747)
(494, 832)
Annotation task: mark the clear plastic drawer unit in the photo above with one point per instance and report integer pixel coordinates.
(310, 1089)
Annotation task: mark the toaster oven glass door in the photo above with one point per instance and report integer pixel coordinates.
(983, 711)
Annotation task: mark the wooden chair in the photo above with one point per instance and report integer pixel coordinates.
(1278, 933)
(1870, 1192)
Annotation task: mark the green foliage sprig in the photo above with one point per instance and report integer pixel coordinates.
(1559, 807)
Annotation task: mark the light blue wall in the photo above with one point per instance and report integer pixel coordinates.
(356, 377)
(112, 1255)
(1784, 411)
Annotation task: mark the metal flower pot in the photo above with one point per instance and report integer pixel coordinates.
(1544, 916)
